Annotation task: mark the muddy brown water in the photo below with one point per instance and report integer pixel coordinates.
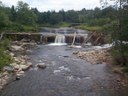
(65, 75)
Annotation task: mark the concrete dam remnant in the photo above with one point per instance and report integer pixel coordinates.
(45, 38)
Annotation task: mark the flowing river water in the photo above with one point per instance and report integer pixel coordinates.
(65, 75)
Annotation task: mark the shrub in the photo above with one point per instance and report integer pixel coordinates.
(5, 58)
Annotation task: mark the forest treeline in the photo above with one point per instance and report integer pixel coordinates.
(23, 18)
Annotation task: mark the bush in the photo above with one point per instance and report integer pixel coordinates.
(90, 28)
(4, 44)
(5, 58)
(15, 27)
(120, 54)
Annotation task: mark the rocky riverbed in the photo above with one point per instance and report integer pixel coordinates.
(64, 75)
(95, 56)
(20, 62)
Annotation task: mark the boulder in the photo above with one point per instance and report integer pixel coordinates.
(17, 67)
(41, 65)
(15, 48)
(29, 64)
(24, 67)
(8, 69)
(17, 77)
(12, 54)
(21, 72)
(5, 73)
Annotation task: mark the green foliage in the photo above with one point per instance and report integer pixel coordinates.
(118, 29)
(64, 24)
(15, 27)
(4, 44)
(100, 21)
(23, 18)
(25, 15)
(125, 69)
(55, 19)
(90, 28)
(5, 58)
(4, 20)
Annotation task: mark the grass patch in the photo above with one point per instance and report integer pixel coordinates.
(61, 24)
(90, 28)
(64, 24)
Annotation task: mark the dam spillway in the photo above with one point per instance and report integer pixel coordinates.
(44, 37)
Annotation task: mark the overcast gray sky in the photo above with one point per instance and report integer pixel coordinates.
(45, 5)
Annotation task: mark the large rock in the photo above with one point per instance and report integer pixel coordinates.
(17, 67)
(29, 64)
(12, 54)
(8, 68)
(24, 67)
(41, 65)
(15, 48)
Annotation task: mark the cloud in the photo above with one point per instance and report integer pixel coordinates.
(9, 2)
(45, 5)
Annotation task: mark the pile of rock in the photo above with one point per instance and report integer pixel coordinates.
(4, 77)
(21, 46)
(17, 68)
(20, 63)
(95, 56)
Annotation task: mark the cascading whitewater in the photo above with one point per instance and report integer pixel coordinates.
(60, 39)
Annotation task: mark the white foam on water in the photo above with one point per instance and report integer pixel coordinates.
(103, 46)
(73, 78)
(57, 44)
(74, 46)
(78, 46)
(62, 68)
(56, 71)
(59, 41)
(70, 77)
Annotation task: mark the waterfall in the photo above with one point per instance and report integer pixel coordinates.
(60, 39)
(41, 37)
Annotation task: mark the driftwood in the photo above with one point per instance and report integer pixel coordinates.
(74, 38)
(95, 38)
(1, 36)
(89, 38)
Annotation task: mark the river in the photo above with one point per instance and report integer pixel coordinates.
(65, 75)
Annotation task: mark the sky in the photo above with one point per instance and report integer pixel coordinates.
(45, 5)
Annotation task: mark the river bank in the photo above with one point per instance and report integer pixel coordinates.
(20, 61)
(102, 55)
(65, 75)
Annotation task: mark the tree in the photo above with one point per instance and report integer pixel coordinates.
(72, 16)
(4, 20)
(119, 36)
(62, 12)
(55, 18)
(25, 15)
(13, 14)
(1, 4)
